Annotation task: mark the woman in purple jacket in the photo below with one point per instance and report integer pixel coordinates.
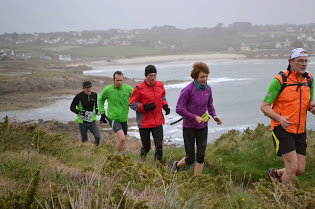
(193, 103)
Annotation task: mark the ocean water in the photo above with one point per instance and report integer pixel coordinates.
(238, 88)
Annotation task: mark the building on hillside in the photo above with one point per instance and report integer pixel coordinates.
(7, 52)
(25, 56)
(244, 47)
(231, 49)
(290, 29)
(310, 39)
(20, 42)
(279, 46)
(45, 58)
(301, 36)
(65, 58)
(286, 44)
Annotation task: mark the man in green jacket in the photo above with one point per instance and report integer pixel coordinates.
(117, 96)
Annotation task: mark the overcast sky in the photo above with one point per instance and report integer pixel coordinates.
(28, 16)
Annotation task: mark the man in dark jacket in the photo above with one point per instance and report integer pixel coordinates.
(148, 100)
(84, 105)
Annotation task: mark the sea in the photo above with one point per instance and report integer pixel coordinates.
(238, 88)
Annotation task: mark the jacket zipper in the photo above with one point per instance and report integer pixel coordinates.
(155, 104)
(297, 130)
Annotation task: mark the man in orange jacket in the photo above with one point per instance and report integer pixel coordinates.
(291, 96)
(148, 100)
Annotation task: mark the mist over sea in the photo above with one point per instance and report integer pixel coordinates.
(238, 88)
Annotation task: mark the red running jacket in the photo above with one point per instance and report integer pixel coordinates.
(146, 93)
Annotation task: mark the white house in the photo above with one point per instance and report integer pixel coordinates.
(45, 58)
(244, 47)
(279, 46)
(7, 52)
(25, 56)
(64, 57)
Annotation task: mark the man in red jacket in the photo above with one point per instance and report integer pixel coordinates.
(148, 100)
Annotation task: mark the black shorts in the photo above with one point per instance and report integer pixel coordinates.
(116, 126)
(285, 142)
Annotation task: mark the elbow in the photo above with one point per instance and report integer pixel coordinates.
(262, 108)
(135, 106)
(265, 108)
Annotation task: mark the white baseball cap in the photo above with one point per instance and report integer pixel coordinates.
(297, 53)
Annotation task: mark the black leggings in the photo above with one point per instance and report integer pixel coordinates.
(157, 134)
(191, 136)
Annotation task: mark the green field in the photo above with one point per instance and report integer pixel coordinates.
(112, 51)
(38, 50)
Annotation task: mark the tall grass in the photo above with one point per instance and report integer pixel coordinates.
(43, 170)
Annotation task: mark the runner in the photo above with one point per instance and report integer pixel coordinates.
(117, 96)
(291, 95)
(148, 100)
(84, 105)
(193, 103)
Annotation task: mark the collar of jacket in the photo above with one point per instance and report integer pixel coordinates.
(294, 75)
(148, 83)
(116, 86)
(86, 94)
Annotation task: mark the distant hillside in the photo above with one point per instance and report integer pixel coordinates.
(254, 41)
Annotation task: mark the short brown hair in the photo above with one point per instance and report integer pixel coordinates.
(117, 73)
(197, 68)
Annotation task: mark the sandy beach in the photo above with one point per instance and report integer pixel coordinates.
(166, 58)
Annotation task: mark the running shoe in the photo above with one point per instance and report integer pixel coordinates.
(175, 168)
(272, 174)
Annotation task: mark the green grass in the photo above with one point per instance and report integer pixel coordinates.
(12, 76)
(38, 50)
(42, 170)
(47, 74)
(112, 51)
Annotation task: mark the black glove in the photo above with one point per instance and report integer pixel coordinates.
(167, 110)
(149, 107)
(82, 112)
(103, 118)
(96, 111)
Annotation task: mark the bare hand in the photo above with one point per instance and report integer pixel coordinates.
(200, 119)
(312, 108)
(284, 122)
(218, 120)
